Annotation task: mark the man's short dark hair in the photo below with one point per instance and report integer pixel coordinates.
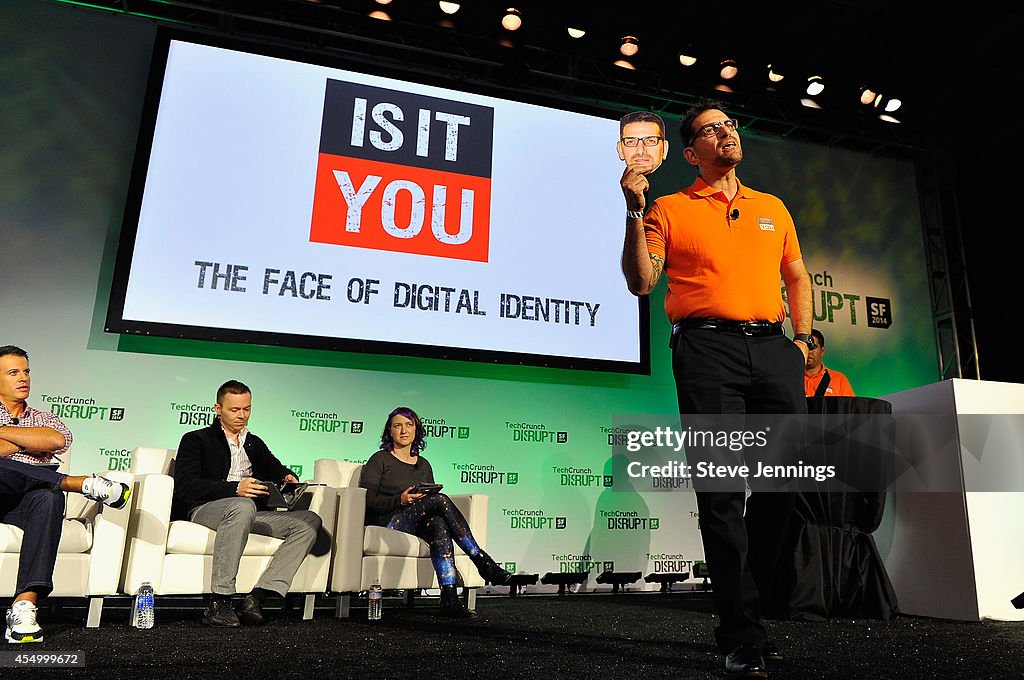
(13, 350)
(818, 337)
(702, 105)
(642, 117)
(232, 387)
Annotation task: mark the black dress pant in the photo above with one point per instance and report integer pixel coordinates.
(719, 372)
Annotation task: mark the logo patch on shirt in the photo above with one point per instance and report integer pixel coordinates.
(766, 224)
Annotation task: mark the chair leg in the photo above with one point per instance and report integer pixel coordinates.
(341, 606)
(470, 598)
(92, 619)
(307, 606)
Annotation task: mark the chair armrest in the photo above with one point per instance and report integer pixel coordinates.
(147, 532)
(147, 460)
(474, 507)
(110, 532)
(323, 501)
(347, 566)
(77, 506)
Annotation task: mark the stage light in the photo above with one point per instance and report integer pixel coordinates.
(512, 20)
(449, 7)
(517, 581)
(629, 45)
(618, 578)
(383, 2)
(563, 579)
(892, 105)
(722, 87)
(700, 570)
(815, 85)
(889, 119)
(810, 103)
(576, 33)
(729, 69)
(774, 74)
(622, 63)
(377, 14)
(686, 59)
(868, 96)
(667, 579)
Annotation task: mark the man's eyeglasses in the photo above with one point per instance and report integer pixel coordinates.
(652, 140)
(711, 129)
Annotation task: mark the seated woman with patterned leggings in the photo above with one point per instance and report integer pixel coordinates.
(389, 477)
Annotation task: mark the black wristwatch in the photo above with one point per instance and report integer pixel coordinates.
(805, 338)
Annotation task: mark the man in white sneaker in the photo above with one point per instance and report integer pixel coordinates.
(31, 489)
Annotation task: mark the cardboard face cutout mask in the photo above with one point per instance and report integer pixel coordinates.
(649, 158)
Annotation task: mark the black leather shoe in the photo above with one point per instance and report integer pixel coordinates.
(221, 615)
(745, 662)
(772, 655)
(249, 611)
(489, 570)
(452, 606)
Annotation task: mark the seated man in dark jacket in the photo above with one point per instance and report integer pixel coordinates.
(217, 483)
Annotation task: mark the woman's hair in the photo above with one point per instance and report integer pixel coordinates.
(418, 443)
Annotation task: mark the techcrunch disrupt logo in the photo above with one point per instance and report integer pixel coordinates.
(617, 436)
(436, 428)
(570, 476)
(520, 518)
(117, 459)
(194, 414)
(629, 520)
(663, 563)
(327, 422)
(667, 437)
(536, 433)
(833, 305)
(572, 564)
(81, 408)
(471, 473)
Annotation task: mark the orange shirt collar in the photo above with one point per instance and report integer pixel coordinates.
(705, 190)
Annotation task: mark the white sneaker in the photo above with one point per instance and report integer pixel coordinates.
(106, 491)
(21, 623)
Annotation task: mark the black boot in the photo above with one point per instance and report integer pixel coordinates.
(489, 570)
(452, 606)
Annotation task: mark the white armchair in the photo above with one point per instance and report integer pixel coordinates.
(177, 557)
(90, 553)
(365, 555)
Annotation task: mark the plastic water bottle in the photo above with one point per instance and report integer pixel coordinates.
(143, 615)
(376, 602)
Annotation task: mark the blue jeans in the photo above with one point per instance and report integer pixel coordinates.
(31, 499)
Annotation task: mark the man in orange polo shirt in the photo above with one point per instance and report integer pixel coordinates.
(723, 247)
(820, 381)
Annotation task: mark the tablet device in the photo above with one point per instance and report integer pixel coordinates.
(284, 497)
(424, 487)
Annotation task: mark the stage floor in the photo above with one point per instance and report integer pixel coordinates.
(541, 637)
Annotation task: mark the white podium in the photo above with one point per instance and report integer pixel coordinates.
(958, 553)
